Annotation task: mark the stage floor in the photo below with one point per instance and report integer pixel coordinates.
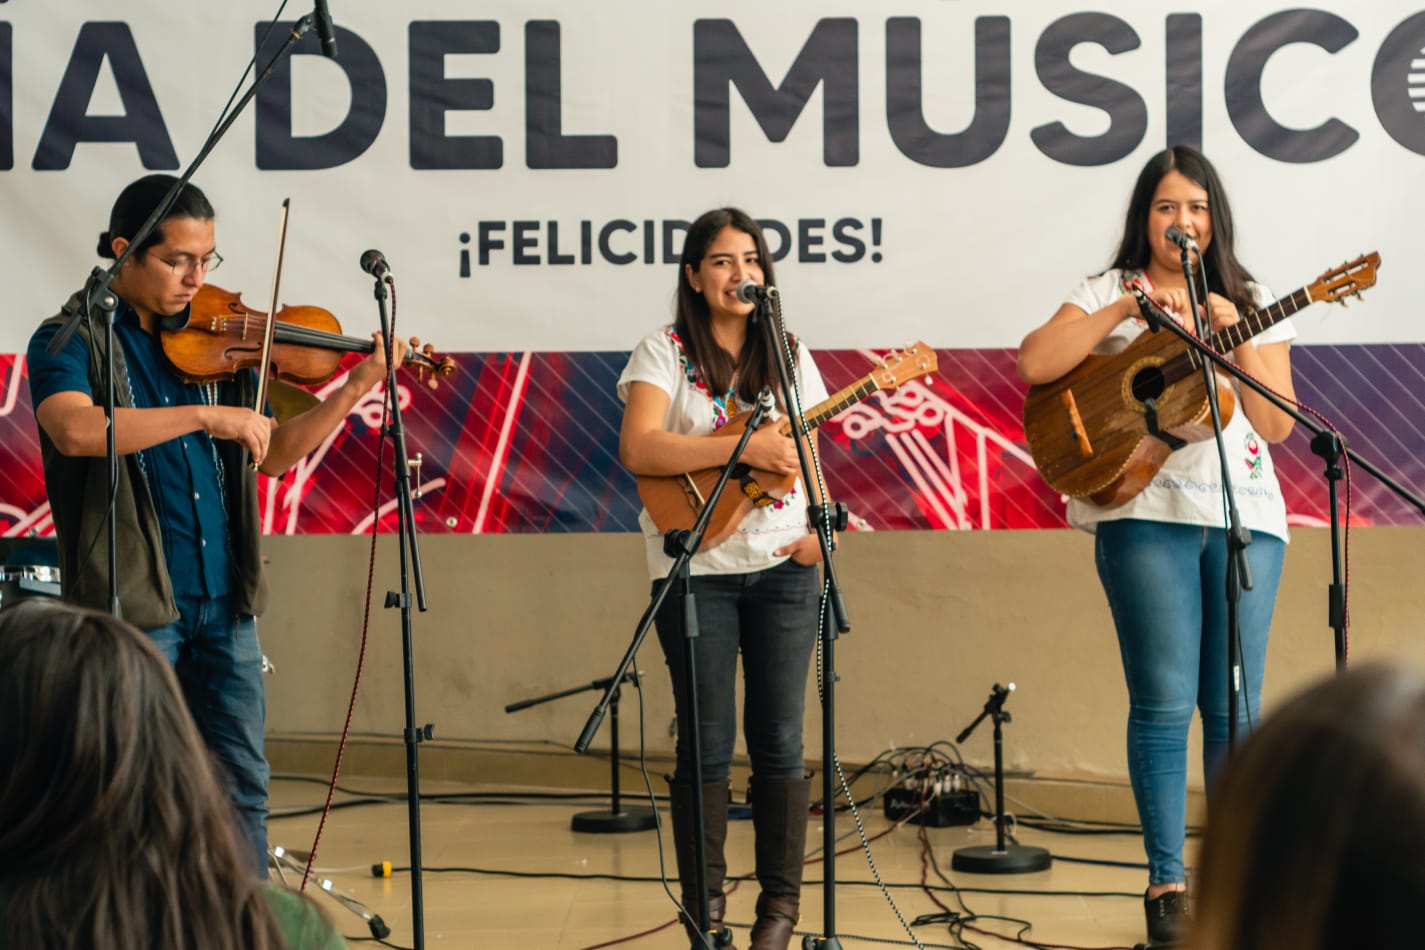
(504, 869)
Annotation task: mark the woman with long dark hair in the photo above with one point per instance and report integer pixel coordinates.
(114, 832)
(1162, 556)
(756, 591)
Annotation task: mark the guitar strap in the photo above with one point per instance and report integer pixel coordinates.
(750, 489)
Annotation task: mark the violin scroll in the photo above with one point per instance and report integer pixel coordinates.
(429, 367)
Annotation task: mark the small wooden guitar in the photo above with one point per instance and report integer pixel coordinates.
(674, 501)
(1102, 430)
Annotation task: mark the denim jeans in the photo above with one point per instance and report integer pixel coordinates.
(1166, 586)
(218, 661)
(770, 617)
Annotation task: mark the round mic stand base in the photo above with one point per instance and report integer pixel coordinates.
(1004, 856)
(614, 822)
(617, 819)
(989, 859)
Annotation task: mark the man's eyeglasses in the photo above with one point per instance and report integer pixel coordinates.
(185, 264)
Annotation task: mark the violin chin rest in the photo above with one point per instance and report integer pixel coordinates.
(288, 401)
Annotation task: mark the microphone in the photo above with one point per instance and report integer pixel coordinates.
(749, 291)
(1175, 235)
(374, 263)
(765, 402)
(324, 30)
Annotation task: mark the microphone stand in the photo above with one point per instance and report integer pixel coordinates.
(410, 571)
(1239, 569)
(617, 819)
(97, 298)
(998, 858)
(681, 546)
(1324, 443)
(825, 518)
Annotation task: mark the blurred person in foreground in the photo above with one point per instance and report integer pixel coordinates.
(114, 831)
(1316, 835)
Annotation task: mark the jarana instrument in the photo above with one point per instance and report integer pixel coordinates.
(1102, 430)
(674, 501)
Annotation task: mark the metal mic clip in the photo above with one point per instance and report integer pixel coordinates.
(1146, 308)
(762, 411)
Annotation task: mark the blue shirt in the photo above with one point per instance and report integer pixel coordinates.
(184, 475)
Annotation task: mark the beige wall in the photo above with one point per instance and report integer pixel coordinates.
(937, 617)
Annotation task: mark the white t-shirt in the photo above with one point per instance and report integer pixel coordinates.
(1188, 488)
(693, 410)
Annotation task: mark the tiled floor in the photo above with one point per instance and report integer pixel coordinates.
(513, 874)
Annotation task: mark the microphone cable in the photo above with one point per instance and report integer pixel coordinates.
(387, 396)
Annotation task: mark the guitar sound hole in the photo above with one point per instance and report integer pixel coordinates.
(1148, 383)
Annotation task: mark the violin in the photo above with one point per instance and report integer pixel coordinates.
(224, 336)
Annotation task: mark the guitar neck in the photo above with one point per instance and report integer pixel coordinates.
(837, 402)
(1259, 321)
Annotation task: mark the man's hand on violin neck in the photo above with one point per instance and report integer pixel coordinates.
(252, 429)
(372, 370)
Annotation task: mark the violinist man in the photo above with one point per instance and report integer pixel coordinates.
(186, 516)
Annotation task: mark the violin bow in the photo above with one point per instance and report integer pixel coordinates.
(264, 369)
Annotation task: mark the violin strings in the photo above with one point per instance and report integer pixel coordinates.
(292, 334)
(288, 333)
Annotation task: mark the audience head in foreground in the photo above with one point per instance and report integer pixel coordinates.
(1315, 838)
(114, 832)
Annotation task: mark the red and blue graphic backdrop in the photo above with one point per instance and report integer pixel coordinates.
(528, 443)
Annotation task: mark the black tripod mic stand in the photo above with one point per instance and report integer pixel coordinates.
(410, 574)
(617, 820)
(833, 620)
(681, 546)
(1001, 857)
(1239, 568)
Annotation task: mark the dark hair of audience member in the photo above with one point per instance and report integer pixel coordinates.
(1315, 837)
(114, 832)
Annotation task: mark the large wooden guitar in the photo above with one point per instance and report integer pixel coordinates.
(1104, 429)
(674, 501)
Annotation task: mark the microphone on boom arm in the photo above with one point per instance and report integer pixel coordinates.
(374, 263)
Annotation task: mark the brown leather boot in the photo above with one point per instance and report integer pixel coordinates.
(779, 815)
(715, 798)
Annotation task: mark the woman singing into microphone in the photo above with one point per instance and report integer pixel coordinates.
(756, 591)
(1162, 556)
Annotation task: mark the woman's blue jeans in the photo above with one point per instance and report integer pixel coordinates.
(771, 618)
(218, 661)
(1166, 586)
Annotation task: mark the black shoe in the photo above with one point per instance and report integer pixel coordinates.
(1167, 916)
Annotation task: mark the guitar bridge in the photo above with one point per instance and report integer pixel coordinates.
(694, 497)
(1076, 424)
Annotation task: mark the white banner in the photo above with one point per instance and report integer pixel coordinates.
(931, 170)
